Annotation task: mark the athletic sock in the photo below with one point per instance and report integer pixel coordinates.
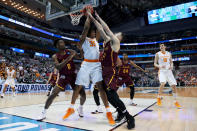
(71, 105)
(107, 109)
(44, 111)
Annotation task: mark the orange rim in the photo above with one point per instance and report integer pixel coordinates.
(83, 11)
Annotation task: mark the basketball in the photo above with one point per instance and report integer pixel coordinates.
(88, 9)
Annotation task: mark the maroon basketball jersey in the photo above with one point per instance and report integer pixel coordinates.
(125, 69)
(69, 68)
(54, 77)
(109, 57)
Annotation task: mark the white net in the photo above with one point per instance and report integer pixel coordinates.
(75, 17)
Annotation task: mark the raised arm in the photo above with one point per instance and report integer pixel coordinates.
(99, 27)
(104, 25)
(85, 31)
(58, 65)
(138, 67)
(115, 44)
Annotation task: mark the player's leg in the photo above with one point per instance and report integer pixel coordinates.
(12, 85)
(77, 82)
(97, 79)
(13, 90)
(4, 90)
(82, 101)
(162, 79)
(49, 101)
(96, 96)
(129, 83)
(75, 95)
(97, 101)
(132, 93)
(103, 95)
(120, 106)
(49, 91)
(172, 82)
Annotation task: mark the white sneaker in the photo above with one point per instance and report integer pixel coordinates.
(80, 111)
(42, 116)
(132, 103)
(2, 95)
(99, 109)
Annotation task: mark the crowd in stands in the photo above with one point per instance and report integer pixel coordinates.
(29, 70)
(185, 77)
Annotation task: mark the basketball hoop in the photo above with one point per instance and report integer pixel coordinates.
(76, 16)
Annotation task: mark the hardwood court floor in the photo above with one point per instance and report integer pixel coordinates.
(167, 117)
(164, 118)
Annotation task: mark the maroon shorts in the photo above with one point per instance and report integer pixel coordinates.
(110, 78)
(125, 79)
(65, 80)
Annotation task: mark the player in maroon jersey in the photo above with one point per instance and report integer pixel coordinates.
(53, 79)
(108, 62)
(64, 63)
(124, 77)
(96, 91)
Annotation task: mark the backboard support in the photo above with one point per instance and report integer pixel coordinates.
(60, 8)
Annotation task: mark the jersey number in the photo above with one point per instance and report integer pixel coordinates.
(164, 59)
(69, 67)
(92, 44)
(125, 71)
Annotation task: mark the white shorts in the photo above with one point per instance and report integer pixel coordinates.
(89, 71)
(10, 82)
(167, 76)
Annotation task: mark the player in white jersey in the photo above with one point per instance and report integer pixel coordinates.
(163, 61)
(90, 70)
(10, 75)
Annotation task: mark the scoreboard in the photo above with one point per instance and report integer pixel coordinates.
(170, 13)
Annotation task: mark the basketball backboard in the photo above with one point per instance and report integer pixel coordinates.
(59, 8)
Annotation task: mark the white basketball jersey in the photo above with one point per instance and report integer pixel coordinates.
(164, 59)
(91, 49)
(10, 74)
